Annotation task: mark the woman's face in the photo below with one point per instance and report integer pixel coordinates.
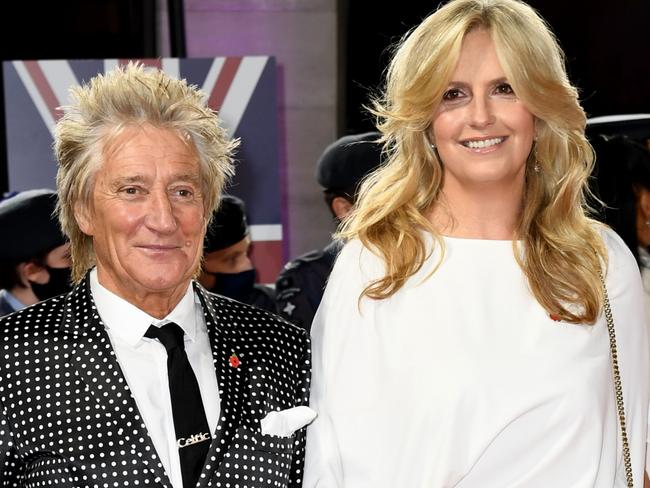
(482, 131)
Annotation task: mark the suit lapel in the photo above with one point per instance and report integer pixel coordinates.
(231, 378)
(96, 365)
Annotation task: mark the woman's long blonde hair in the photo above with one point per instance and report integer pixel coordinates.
(563, 250)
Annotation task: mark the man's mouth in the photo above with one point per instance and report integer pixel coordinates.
(159, 247)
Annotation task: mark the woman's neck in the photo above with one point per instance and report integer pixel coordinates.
(487, 214)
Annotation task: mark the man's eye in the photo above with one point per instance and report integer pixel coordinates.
(184, 192)
(130, 190)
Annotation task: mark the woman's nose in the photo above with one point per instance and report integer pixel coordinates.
(480, 112)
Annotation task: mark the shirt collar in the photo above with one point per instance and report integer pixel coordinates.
(12, 300)
(129, 323)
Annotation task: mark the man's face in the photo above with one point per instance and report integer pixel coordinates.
(147, 216)
(233, 259)
(59, 257)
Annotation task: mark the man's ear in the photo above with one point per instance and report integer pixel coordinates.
(84, 219)
(341, 207)
(34, 272)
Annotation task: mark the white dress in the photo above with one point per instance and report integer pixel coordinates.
(462, 379)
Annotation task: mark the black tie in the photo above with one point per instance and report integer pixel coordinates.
(192, 431)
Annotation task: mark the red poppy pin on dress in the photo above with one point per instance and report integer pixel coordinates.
(234, 361)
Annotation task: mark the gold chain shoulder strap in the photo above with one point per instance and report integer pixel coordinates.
(618, 389)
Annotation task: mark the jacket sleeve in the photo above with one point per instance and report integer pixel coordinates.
(11, 467)
(296, 297)
(301, 398)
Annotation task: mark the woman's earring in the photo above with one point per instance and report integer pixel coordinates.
(433, 146)
(536, 167)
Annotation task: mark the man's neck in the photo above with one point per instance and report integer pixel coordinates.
(25, 295)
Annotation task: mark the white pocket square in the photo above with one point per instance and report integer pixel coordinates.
(285, 422)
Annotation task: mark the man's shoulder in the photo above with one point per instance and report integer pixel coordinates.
(253, 321)
(28, 325)
(316, 264)
(5, 306)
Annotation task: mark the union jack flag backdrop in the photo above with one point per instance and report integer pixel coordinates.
(241, 89)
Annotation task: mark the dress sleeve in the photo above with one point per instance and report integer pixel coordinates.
(338, 313)
(626, 297)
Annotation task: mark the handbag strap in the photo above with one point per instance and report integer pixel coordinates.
(618, 388)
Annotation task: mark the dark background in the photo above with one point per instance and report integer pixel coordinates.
(607, 45)
(73, 29)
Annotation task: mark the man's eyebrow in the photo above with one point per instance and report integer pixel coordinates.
(127, 180)
(189, 177)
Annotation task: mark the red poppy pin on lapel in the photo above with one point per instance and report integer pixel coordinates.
(234, 361)
(554, 317)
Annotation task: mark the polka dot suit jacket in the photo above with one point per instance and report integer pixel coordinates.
(68, 418)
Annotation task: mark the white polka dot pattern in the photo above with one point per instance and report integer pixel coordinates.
(68, 418)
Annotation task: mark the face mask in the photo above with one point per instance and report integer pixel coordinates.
(60, 282)
(234, 285)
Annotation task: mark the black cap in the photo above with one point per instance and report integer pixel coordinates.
(634, 126)
(228, 225)
(29, 226)
(345, 162)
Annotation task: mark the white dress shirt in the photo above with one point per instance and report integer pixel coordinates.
(461, 379)
(144, 364)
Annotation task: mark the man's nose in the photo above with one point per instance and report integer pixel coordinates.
(160, 213)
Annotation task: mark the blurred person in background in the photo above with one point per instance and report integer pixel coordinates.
(624, 187)
(340, 170)
(227, 268)
(34, 253)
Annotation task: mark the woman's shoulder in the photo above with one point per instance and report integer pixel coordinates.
(621, 264)
(356, 266)
(614, 244)
(355, 251)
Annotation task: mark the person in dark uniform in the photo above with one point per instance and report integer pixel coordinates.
(227, 269)
(340, 170)
(34, 254)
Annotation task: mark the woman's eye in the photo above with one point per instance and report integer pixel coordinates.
(504, 89)
(452, 94)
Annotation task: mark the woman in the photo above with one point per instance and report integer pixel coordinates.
(461, 340)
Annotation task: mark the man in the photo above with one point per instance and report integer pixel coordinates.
(139, 376)
(227, 269)
(340, 170)
(34, 254)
